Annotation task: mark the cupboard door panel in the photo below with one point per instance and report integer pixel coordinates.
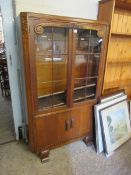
(46, 131)
(52, 129)
(86, 115)
(58, 128)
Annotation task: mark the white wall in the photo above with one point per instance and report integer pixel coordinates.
(75, 8)
(12, 60)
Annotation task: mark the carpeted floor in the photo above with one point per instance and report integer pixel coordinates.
(72, 159)
(6, 120)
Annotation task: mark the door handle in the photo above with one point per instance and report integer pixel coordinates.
(67, 125)
(72, 122)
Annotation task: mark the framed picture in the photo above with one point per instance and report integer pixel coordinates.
(130, 110)
(97, 109)
(112, 96)
(116, 125)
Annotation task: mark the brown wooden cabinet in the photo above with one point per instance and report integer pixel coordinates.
(64, 62)
(118, 66)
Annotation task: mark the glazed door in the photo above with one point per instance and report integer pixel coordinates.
(52, 55)
(66, 65)
(87, 55)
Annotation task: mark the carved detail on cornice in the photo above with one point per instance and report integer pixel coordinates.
(100, 33)
(39, 29)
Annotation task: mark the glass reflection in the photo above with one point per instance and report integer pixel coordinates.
(51, 67)
(88, 48)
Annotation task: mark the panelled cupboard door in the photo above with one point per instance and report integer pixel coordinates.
(56, 129)
(63, 126)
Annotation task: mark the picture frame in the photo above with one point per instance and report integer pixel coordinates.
(112, 96)
(97, 109)
(116, 125)
(130, 110)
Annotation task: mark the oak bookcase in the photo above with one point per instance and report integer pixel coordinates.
(64, 61)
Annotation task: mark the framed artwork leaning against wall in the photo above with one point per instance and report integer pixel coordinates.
(116, 126)
(97, 109)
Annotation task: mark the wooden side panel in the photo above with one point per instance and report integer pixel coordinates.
(118, 70)
(27, 67)
(118, 66)
(123, 4)
(106, 11)
(121, 21)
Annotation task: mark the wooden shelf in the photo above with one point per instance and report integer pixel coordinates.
(119, 48)
(121, 34)
(52, 82)
(120, 62)
(40, 53)
(85, 78)
(116, 84)
(123, 4)
(79, 52)
(84, 98)
(86, 86)
(65, 54)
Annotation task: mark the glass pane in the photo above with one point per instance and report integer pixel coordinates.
(91, 88)
(59, 41)
(45, 102)
(93, 65)
(51, 67)
(44, 42)
(81, 66)
(88, 41)
(80, 90)
(94, 42)
(88, 48)
(44, 68)
(59, 93)
(83, 40)
(59, 67)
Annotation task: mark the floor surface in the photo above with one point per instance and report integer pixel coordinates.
(6, 120)
(72, 159)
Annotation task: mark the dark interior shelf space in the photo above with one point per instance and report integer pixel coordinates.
(88, 85)
(90, 96)
(52, 100)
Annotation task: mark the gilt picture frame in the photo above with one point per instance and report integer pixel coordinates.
(116, 126)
